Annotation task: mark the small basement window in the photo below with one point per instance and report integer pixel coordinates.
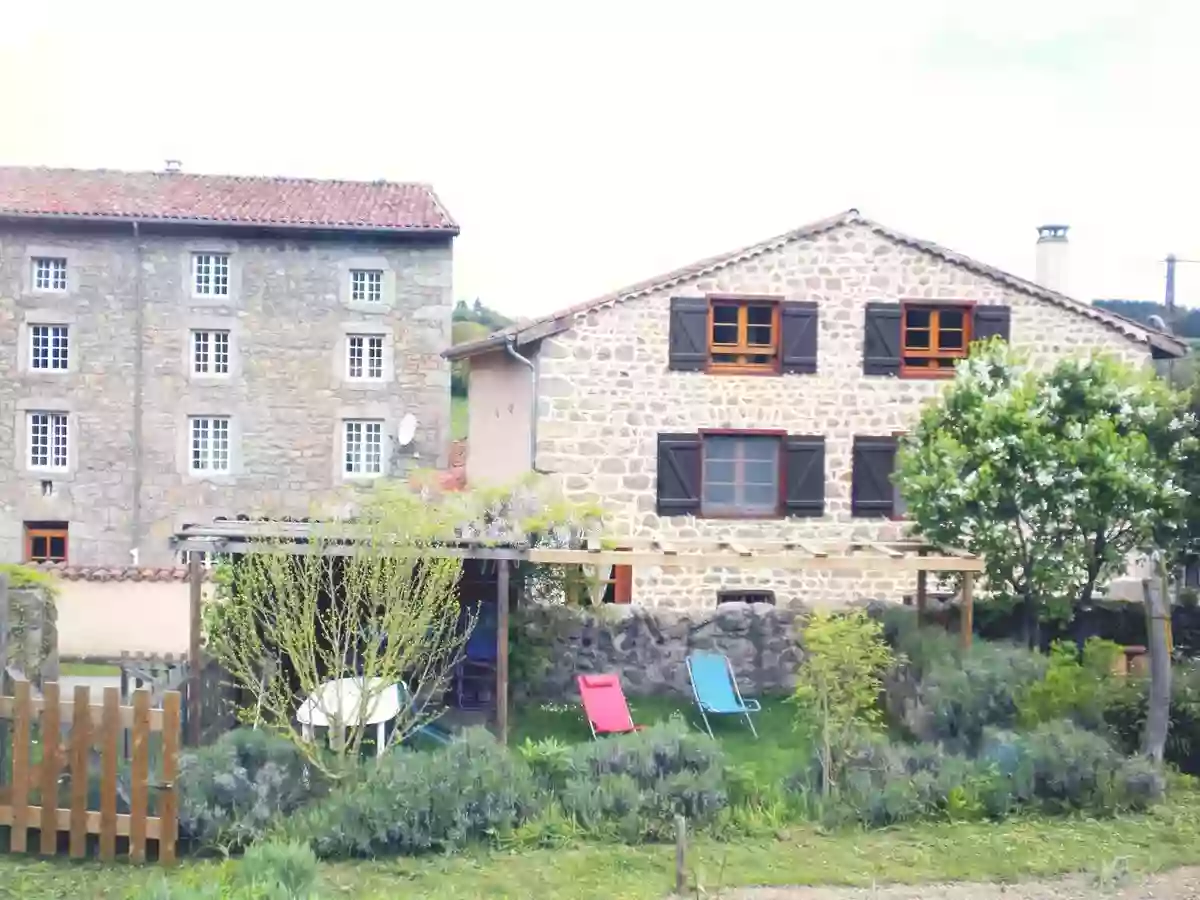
(934, 338)
(746, 597)
(743, 335)
(46, 542)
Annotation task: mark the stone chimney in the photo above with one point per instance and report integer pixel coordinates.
(1051, 268)
(174, 165)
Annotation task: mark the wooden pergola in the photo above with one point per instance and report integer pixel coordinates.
(236, 537)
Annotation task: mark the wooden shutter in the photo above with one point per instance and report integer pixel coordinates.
(991, 321)
(688, 340)
(799, 337)
(679, 473)
(804, 474)
(881, 339)
(872, 492)
(622, 584)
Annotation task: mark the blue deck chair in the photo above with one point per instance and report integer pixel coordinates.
(716, 690)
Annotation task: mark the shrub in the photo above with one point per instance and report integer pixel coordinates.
(1072, 688)
(1125, 714)
(632, 786)
(920, 646)
(549, 759)
(416, 802)
(280, 871)
(234, 790)
(957, 699)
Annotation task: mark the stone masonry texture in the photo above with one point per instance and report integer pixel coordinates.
(605, 392)
(289, 314)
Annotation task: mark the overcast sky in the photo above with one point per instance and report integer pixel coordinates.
(584, 147)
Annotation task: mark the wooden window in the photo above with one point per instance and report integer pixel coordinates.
(749, 596)
(934, 338)
(741, 474)
(743, 335)
(46, 542)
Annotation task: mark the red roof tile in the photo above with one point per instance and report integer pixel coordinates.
(117, 573)
(228, 199)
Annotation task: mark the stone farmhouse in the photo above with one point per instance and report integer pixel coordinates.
(758, 395)
(178, 347)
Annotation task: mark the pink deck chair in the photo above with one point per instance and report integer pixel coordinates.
(605, 706)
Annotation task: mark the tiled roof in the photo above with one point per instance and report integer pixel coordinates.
(225, 199)
(532, 330)
(117, 573)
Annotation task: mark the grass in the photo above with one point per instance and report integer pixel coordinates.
(458, 418)
(89, 669)
(983, 851)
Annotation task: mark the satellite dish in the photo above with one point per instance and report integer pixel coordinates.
(407, 430)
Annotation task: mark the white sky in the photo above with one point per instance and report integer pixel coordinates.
(586, 146)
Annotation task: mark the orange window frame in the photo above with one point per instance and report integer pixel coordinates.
(35, 532)
(743, 348)
(941, 359)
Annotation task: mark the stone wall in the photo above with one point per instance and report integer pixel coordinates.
(648, 647)
(605, 392)
(288, 312)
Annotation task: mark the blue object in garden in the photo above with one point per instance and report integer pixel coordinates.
(477, 670)
(716, 689)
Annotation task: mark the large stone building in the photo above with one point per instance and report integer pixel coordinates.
(759, 394)
(176, 347)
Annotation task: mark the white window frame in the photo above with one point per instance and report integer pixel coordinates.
(357, 436)
(366, 285)
(47, 441)
(208, 346)
(209, 445)
(49, 335)
(210, 273)
(52, 270)
(364, 357)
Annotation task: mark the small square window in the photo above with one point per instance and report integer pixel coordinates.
(46, 542)
(366, 285)
(934, 338)
(49, 273)
(743, 335)
(48, 436)
(209, 444)
(210, 274)
(364, 357)
(741, 475)
(747, 596)
(363, 440)
(210, 352)
(48, 348)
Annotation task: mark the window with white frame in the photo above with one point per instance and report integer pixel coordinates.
(366, 285)
(48, 348)
(210, 274)
(363, 440)
(364, 357)
(48, 435)
(210, 352)
(49, 273)
(209, 444)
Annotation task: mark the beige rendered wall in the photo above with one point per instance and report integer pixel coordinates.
(605, 392)
(499, 417)
(103, 618)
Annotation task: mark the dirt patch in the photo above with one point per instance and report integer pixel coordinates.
(1180, 883)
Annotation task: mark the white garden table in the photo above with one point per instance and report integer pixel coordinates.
(336, 703)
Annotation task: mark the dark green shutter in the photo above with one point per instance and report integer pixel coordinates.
(872, 492)
(687, 341)
(991, 321)
(881, 339)
(804, 475)
(799, 337)
(679, 473)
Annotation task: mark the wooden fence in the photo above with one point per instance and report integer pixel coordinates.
(37, 767)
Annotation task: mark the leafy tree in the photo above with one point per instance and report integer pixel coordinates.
(837, 687)
(470, 323)
(1053, 477)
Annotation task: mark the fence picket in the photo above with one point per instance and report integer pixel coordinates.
(19, 836)
(168, 802)
(51, 738)
(140, 776)
(81, 743)
(108, 774)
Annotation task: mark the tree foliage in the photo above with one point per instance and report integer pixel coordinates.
(1054, 477)
(837, 687)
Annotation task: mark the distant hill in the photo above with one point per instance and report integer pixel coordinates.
(1186, 324)
(471, 322)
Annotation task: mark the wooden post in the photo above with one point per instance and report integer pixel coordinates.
(502, 650)
(19, 836)
(81, 743)
(195, 662)
(922, 590)
(51, 742)
(967, 612)
(109, 748)
(139, 776)
(680, 855)
(168, 808)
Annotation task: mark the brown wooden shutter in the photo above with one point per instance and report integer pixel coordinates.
(688, 340)
(799, 337)
(991, 321)
(804, 475)
(679, 474)
(881, 339)
(872, 492)
(622, 584)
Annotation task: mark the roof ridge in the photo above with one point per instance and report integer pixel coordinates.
(230, 176)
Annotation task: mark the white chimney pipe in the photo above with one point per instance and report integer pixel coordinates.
(1051, 267)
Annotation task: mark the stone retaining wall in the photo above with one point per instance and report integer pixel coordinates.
(648, 647)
